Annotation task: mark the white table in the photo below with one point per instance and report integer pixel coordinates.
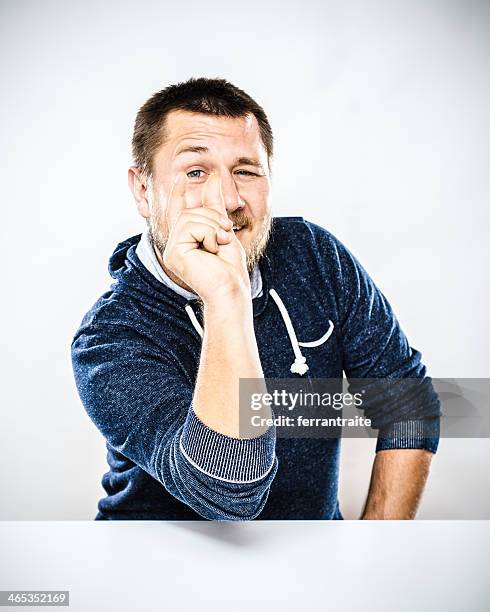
(145, 566)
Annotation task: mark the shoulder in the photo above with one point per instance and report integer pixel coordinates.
(110, 308)
(114, 323)
(300, 237)
(292, 229)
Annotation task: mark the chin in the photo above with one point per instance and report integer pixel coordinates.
(247, 242)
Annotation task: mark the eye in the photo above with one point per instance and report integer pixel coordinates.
(247, 173)
(192, 174)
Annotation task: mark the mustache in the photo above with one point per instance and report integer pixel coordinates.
(240, 219)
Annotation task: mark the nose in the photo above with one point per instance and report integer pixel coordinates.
(230, 194)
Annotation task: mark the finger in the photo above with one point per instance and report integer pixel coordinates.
(199, 232)
(212, 196)
(209, 213)
(223, 236)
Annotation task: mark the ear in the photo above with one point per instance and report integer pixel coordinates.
(138, 184)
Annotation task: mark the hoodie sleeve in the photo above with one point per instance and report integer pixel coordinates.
(374, 346)
(141, 402)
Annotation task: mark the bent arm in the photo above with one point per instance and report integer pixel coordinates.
(242, 469)
(140, 398)
(376, 350)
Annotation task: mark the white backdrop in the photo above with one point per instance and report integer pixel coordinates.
(380, 114)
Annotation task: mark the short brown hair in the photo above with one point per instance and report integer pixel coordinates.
(198, 95)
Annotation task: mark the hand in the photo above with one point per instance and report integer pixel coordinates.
(216, 267)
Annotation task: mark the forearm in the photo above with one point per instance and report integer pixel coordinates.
(397, 483)
(220, 473)
(229, 352)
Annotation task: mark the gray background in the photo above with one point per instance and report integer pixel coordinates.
(380, 113)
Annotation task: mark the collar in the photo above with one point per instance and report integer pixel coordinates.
(148, 258)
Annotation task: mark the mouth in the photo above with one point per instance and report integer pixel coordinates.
(238, 228)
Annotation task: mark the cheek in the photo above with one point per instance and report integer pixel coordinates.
(159, 210)
(256, 196)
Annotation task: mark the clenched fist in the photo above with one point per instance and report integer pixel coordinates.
(202, 248)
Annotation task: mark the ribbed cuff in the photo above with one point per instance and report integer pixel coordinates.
(225, 458)
(416, 433)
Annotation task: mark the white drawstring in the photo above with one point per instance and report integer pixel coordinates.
(321, 340)
(299, 366)
(194, 320)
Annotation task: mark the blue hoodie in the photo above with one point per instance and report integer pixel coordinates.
(136, 356)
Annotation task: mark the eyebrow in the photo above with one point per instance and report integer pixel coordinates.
(245, 161)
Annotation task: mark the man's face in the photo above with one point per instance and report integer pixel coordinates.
(199, 144)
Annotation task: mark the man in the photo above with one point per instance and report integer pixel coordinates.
(217, 290)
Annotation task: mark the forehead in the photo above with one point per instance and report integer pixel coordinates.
(183, 126)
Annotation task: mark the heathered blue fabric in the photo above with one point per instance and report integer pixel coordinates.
(135, 359)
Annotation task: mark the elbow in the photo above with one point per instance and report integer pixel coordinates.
(244, 502)
(219, 477)
(231, 509)
(216, 499)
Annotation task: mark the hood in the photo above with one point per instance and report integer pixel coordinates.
(134, 279)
